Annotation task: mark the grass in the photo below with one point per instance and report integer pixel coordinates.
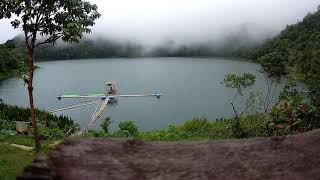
(19, 139)
(203, 129)
(25, 140)
(196, 129)
(13, 160)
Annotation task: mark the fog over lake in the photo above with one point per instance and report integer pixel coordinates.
(153, 22)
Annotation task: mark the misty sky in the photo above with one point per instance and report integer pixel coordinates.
(153, 21)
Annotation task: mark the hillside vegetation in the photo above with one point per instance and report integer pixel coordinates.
(12, 60)
(298, 50)
(51, 127)
(87, 48)
(238, 41)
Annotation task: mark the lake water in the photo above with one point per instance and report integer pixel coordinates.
(191, 87)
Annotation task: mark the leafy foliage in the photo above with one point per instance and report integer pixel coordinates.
(293, 114)
(12, 60)
(51, 19)
(128, 128)
(196, 125)
(199, 129)
(105, 125)
(239, 82)
(51, 127)
(297, 46)
(66, 19)
(274, 68)
(273, 65)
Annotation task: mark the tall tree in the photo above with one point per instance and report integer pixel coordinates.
(51, 20)
(240, 83)
(274, 67)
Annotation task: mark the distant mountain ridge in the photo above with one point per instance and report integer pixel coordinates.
(238, 42)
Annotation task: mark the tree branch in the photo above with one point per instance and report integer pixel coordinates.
(274, 90)
(235, 97)
(30, 36)
(26, 37)
(234, 109)
(266, 101)
(247, 108)
(232, 104)
(51, 39)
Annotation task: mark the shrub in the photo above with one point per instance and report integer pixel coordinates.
(47, 133)
(240, 83)
(92, 133)
(253, 125)
(105, 125)
(50, 126)
(292, 114)
(221, 129)
(172, 133)
(196, 126)
(128, 128)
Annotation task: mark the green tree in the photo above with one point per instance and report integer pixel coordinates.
(240, 83)
(297, 47)
(128, 128)
(105, 124)
(273, 67)
(11, 59)
(52, 20)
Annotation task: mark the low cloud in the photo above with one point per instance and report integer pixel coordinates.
(154, 22)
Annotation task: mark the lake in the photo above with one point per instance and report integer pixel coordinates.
(191, 87)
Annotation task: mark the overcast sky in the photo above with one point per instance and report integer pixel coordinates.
(151, 21)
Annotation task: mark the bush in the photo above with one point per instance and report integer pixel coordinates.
(50, 126)
(50, 133)
(92, 133)
(253, 125)
(195, 125)
(105, 125)
(201, 129)
(221, 129)
(128, 128)
(4, 124)
(292, 114)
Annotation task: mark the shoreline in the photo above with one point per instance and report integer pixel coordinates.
(227, 58)
(13, 73)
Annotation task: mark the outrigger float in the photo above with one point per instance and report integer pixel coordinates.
(102, 100)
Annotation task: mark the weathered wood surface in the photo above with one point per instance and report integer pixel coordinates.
(292, 157)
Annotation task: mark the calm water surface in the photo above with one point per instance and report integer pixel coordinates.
(192, 88)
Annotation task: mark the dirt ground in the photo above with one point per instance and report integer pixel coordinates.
(291, 157)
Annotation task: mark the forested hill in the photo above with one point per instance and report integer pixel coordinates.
(238, 41)
(85, 49)
(12, 59)
(88, 49)
(298, 48)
